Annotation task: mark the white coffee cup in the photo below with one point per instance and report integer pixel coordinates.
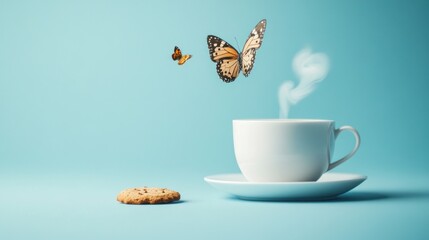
(287, 150)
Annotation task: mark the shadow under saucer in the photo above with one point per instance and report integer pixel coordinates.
(355, 196)
(378, 195)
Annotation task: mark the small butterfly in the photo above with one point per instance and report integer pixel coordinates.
(177, 55)
(229, 60)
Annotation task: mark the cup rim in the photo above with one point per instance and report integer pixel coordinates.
(284, 120)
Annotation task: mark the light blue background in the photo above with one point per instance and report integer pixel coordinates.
(91, 103)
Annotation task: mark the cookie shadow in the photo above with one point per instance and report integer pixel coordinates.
(156, 204)
(176, 202)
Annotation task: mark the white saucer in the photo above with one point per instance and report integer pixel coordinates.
(328, 186)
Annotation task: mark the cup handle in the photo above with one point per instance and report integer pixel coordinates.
(357, 144)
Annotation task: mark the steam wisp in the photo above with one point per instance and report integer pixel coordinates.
(310, 68)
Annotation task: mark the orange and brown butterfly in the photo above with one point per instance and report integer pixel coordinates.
(177, 55)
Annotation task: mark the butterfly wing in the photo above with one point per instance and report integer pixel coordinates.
(184, 58)
(226, 56)
(177, 54)
(253, 43)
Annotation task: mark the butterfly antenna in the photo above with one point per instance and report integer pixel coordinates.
(237, 43)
